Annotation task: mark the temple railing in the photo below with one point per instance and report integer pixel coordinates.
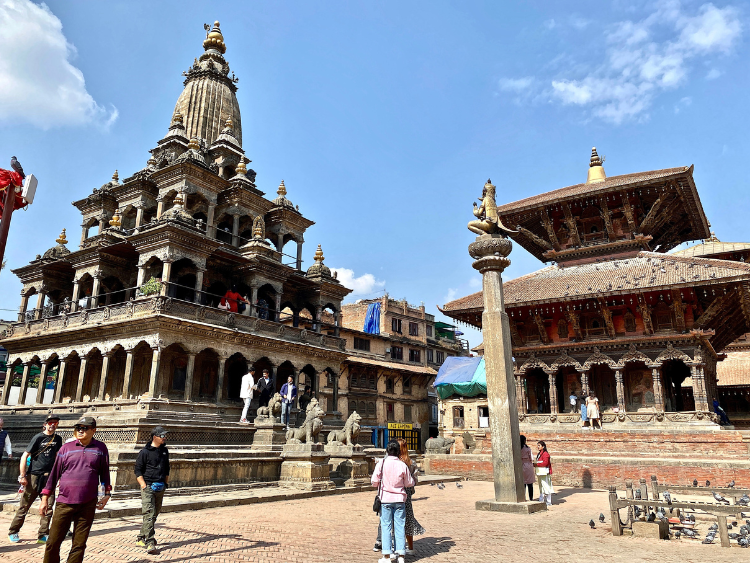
(167, 306)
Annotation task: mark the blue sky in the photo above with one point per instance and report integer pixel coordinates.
(384, 119)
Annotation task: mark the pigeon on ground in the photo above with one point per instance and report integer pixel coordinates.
(689, 533)
(15, 165)
(729, 526)
(660, 513)
(719, 498)
(638, 494)
(636, 511)
(601, 517)
(730, 485)
(677, 534)
(713, 526)
(708, 483)
(695, 482)
(459, 485)
(744, 531)
(708, 539)
(734, 536)
(651, 517)
(667, 497)
(591, 523)
(744, 542)
(744, 500)
(440, 486)
(432, 484)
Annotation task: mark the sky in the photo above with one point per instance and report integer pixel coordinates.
(384, 119)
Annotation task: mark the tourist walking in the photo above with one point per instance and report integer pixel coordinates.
(246, 392)
(152, 474)
(412, 527)
(5, 445)
(288, 396)
(392, 476)
(265, 388)
(527, 463)
(543, 465)
(79, 468)
(573, 401)
(592, 410)
(723, 418)
(36, 464)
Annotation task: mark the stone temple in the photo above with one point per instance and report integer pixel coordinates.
(130, 328)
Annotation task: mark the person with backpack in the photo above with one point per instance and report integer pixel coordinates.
(152, 474)
(36, 464)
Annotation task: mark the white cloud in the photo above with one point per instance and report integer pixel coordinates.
(362, 286)
(682, 104)
(516, 84)
(713, 74)
(550, 24)
(38, 84)
(450, 296)
(645, 58)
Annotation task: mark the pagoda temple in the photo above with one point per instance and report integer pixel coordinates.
(613, 312)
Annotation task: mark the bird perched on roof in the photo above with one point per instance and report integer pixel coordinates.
(440, 486)
(744, 500)
(16, 166)
(667, 497)
(708, 483)
(651, 517)
(459, 485)
(591, 523)
(695, 482)
(730, 485)
(718, 497)
(601, 517)
(637, 493)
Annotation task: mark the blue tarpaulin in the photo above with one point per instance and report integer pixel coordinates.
(461, 376)
(372, 319)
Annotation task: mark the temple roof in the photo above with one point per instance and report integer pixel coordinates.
(713, 248)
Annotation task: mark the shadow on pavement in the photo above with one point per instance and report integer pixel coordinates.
(426, 547)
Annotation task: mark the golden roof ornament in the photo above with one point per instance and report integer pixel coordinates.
(115, 221)
(177, 117)
(596, 170)
(179, 199)
(116, 177)
(487, 219)
(194, 144)
(229, 124)
(318, 253)
(214, 39)
(62, 239)
(241, 168)
(282, 191)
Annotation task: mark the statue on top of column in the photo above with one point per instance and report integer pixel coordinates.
(488, 221)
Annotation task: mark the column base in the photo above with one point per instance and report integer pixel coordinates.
(526, 507)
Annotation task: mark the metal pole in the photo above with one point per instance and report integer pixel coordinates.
(9, 202)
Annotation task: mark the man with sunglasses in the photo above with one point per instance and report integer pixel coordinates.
(36, 464)
(152, 474)
(80, 466)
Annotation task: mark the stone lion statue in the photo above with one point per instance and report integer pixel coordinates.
(308, 432)
(439, 445)
(348, 435)
(273, 410)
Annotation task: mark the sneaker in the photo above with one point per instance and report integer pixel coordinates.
(14, 538)
(140, 543)
(151, 548)
(378, 546)
(42, 539)
(400, 559)
(384, 559)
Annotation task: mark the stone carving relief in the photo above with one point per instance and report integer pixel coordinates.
(633, 355)
(671, 353)
(598, 358)
(531, 363)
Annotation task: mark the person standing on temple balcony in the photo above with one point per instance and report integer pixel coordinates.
(288, 396)
(36, 464)
(5, 445)
(152, 474)
(265, 388)
(592, 410)
(246, 392)
(234, 299)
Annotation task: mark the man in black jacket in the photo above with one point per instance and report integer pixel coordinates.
(152, 473)
(265, 388)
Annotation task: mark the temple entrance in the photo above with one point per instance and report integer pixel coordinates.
(602, 382)
(673, 374)
(235, 368)
(639, 387)
(282, 372)
(537, 391)
(568, 382)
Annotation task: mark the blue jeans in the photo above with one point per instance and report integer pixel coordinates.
(393, 517)
(286, 408)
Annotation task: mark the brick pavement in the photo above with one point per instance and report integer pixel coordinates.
(342, 528)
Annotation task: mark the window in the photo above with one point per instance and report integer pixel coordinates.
(407, 413)
(389, 385)
(415, 355)
(361, 344)
(458, 417)
(361, 407)
(389, 412)
(373, 383)
(370, 410)
(629, 321)
(433, 413)
(352, 406)
(428, 329)
(562, 328)
(484, 417)
(396, 325)
(354, 381)
(413, 329)
(407, 385)
(397, 353)
(430, 356)
(439, 357)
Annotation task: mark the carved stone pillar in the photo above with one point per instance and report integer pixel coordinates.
(60, 381)
(128, 373)
(220, 379)
(199, 284)
(102, 223)
(141, 275)
(81, 377)
(277, 306)
(658, 387)
(584, 382)
(76, 295)
(23, 307)
(41, 296)
(699, 387)
(253, 301)
(166, 272)
(6, 386)
(235, 230)
(620, 383)
(299, 255)
(210, 227)
(337, 321)
(84, 234)
(280, 242)
(554, 405)
(316, 321)
(95, 290)
(24, 383)
(42, 383)
(189, 373)
(138, 216)
(106, 360)
(520, 394)
(154, 377)
(159, 206)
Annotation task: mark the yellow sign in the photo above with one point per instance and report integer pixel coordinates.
(399, 426)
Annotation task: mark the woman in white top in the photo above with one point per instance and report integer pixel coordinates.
(246, 392)
(592, 410)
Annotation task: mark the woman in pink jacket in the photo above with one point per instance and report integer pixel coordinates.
(392, 476)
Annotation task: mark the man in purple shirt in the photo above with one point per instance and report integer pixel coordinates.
(80, 466)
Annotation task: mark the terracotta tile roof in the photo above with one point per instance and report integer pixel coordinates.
(645, 271)
(712, 249)
(391, 365)
(591, 189)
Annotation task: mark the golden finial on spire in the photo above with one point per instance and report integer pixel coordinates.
(115, 177)
(596, 170)
(194, 144)
(229, 124)
(177, 117)
(214, 39)
(62, 239)
(115, 221)
(319, 255)
(258, 231)
(241, 168)
(282, 190)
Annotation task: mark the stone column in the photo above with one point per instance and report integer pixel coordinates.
(554, 405)
(280, 242)
(189, 374)
(154, 377)
(277, 306)
(24, 383)
(84, 234)
(81, 377)
(102, 223)
(60, 381)
(166, 271)
(337, 321)
(95, 290)
(584, 382)
(141, 275)
(220, 379)
(620, 384)
(520, 401)
(106, 359)
(23, 307)
(40, 303)
(210, 227)
(235, 230)
(42, 383)
(159, 206)
(253, 301)
(76, 295)
(490, 253)
(317, 320)
(658, 387)
(129, 361)
(9, 375)
(699, 387)
(138, 216)
(199, 272)
(299, 255)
